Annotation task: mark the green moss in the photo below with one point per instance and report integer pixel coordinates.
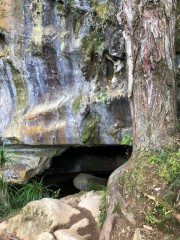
(90, 131)
(35, 50)
(103, 13)
(101, 10)
(59, 7)
(77, 103)
(102, 207)
(92, 41)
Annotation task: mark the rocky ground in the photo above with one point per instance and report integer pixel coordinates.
(74, 217)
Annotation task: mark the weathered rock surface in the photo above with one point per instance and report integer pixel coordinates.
(41, 216)
(62, 76)
(89, 201)
(62, 73)
(72, 232)
(51, 219)
(25, 162)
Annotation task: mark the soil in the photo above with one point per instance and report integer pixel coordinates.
(146, 190)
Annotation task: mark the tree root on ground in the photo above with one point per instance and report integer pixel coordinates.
(116, 204)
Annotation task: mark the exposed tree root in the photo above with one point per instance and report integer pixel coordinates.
(116, 203)
(128, 209)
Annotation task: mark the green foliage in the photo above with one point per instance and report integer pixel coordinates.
(102, 14)
(34, 190)
(92, 41)
(102, 207)
(3, 157)
(160, 216)
(103, 97)
(13, 198)
(92, 185)
(7, 198)
(6, 192)
(168, 163)
(127, 139)
(128, 182)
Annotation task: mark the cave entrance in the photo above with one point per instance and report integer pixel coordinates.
(2, 41)
(99, 161)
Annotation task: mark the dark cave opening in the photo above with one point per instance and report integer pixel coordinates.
(99, 161)
(2, 41)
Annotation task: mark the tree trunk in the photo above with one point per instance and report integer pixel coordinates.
(149, 32)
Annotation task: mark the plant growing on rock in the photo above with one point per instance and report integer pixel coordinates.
(127, 139)
(13, 198)
(34, 190)
(102, 207)
(6, 190)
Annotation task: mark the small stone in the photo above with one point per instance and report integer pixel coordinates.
(86, 182)
(137, 234)
(147, 227)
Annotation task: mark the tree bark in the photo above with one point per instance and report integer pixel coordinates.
(149, 32)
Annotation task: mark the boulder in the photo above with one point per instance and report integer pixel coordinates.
(41, 216)
(72, 232)
(52, 219)
(45, 236)
(87, 182)
(91, 202)
(73, 199)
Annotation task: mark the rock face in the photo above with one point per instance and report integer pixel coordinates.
(23, 162)
(62, 72)
(62, 75)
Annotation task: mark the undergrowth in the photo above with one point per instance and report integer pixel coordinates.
(102, 207)
(14, 197)
(152, 182)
